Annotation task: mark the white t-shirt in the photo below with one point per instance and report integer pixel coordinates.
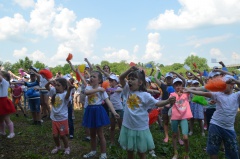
(96, 98)
(226, 109)
(43, 82)
(60, 107)
(4, 85)
(115, 98)
(135, 113)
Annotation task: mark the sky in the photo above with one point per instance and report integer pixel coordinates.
(163, 31)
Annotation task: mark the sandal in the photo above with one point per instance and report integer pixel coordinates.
(55, 150)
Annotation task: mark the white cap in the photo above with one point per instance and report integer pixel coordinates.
(148, 80)
(195, 81)
(177, 80)
(114, 77)
(227, 77)
(87, 66)
(67, 76)
(169, 75)
(212, 74)
(189, 81)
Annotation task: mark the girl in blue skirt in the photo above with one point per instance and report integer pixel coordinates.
(135, 134)
(95, 116)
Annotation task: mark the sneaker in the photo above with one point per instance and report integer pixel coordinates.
(152, 153)
(70, 136)
(11, 135)
(190, 133)
(67, 151)
(175, 156)
(205, 127)
(55, 150)
(87, 138)
(103, 156)
(90, 154)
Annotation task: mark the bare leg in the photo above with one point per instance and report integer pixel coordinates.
(93, 139)
(142, 155)
(102, 139)
(130, 154)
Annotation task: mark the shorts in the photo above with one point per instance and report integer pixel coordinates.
(60, 127)
(34, 104)
(216, 135)
(165, 110)
(183, 123)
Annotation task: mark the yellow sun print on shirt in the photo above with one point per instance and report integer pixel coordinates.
(57, 102)
(92, 99)
(133, 101)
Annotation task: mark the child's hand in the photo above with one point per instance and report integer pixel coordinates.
(172, 100)
(116, 115)
(134, 68)
(85, 59)
(101, 89)
(98, 67)
(186, 90)
(211, 102)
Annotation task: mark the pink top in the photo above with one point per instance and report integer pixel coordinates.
(181, 109)
(17, 91)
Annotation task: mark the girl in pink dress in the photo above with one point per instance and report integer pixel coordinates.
(181, 112)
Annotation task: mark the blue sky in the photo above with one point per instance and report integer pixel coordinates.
(163, 31)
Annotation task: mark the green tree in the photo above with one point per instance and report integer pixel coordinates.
(39, 65)
(199, 61)
(7, 66)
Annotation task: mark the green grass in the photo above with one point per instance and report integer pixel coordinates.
(33, 142)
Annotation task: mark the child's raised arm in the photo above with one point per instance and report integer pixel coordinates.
(105, 73)
(205, 94)
(92, 91)
(89, 64)
(124, 75)
(69, 62)
(81, 77)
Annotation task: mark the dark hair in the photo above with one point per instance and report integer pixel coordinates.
(64, 84)
(6, 75)
(140, 75)
(100, 77)
(107, 66)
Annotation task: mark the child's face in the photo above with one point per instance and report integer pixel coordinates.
(59, 87)
(229, 88)
(112, 82)
(195, 85)
(134, 83)
(94, 80)
(178, 86)
(169, 80)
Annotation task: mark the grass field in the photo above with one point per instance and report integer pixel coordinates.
(35, 142)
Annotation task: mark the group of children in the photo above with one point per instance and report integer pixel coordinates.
(129, 98)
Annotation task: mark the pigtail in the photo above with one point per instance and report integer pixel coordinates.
(53, 99)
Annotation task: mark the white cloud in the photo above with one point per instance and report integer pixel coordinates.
(193, 41)
(195, 13)
(235, 56)
(42, 16)
(120, 55)
(25, 3)
(193, 53)
(217, 54)
(133, 29)
(136, 48)
(12, 26)
(20, 53)
(38, 56)
(109, 49)
(153, 48)
(62, 24)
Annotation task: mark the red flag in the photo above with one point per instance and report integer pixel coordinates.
(195, 66)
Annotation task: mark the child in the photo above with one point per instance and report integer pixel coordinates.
(180, 113)
(197, 112)
(221, 126)
(115, 97)
(135, 134)
(6, 105)
(95, 116)
(16, 98)
(60, 98)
